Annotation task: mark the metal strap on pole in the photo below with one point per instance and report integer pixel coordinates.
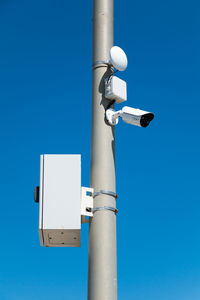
(102, 63)
(109, 193)
(105, 208)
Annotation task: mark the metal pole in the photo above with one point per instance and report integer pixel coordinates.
(102, 271)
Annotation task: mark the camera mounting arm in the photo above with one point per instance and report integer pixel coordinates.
(112, 116)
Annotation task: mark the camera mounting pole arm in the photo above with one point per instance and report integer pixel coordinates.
(102, 272)
(113, 116)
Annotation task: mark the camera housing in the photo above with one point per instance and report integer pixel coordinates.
(136, 116)
(133, 116)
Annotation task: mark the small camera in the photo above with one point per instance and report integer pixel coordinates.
(129, 115)
(136, 116)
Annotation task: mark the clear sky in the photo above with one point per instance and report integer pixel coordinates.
(45, 78)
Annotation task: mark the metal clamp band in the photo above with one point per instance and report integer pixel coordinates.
(109, 193)
(105, 208)
(101, 63)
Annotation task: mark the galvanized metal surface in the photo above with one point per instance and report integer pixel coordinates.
(102, 271)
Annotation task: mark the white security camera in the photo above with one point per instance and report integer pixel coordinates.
(129, 115)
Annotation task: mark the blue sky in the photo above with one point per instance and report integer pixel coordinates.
(45, 75)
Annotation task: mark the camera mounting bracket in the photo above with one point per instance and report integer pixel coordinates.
(86, 204)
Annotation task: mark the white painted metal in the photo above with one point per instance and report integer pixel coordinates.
(87, 202)
(41, 202)
(112, 116)
(134, 111)
(115, 89)
(118, 58)
(60, 200)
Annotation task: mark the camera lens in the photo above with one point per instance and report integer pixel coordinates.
(146, 119)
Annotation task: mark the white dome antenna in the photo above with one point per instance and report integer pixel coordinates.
(118, 58)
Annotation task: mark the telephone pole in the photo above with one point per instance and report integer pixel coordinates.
(102, 271)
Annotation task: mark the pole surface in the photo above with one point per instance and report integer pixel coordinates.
(102, 269)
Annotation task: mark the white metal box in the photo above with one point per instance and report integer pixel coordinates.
(115, 89)
(60, 200)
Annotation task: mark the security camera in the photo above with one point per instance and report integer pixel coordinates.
(136, 116)
(129, 115)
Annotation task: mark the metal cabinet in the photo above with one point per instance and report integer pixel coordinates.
(60, 200)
